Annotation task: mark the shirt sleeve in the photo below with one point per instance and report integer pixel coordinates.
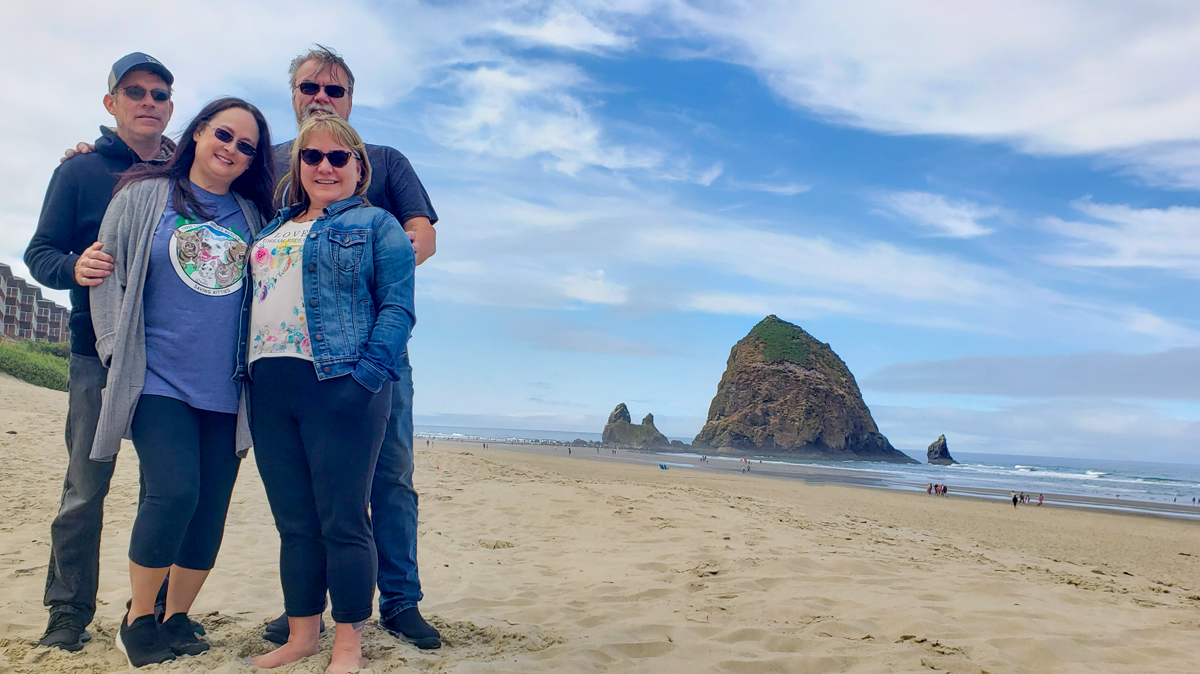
(406, 191)
(49, 256)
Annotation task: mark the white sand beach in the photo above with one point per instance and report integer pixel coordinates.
(537, 563)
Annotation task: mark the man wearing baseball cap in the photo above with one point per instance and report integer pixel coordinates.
(63, 254)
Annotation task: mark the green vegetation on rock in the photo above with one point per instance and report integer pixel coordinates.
(34, 362)
(783, 341)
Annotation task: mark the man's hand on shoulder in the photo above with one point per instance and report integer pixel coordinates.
(82, 148)
(93, 266)
(423, 236)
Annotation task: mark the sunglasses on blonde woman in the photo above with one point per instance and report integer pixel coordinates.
(337, 158)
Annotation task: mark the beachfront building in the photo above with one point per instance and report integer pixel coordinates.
(25, 314)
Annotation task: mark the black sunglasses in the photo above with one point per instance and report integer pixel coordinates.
(242, 146)
(138, 93)
(331, 90)
(337, 158)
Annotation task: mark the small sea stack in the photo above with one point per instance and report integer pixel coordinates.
(939, 454)
(621, 432)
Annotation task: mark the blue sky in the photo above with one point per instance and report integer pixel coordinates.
(989, 210)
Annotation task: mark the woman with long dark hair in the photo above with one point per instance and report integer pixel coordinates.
(167, 322)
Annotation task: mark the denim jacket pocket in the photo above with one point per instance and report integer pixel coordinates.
(348, 248)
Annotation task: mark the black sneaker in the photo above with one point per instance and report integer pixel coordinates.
(177, 632)
(159, 611)
(277, 631)
(66, 631)
(141, 642)
(411, 627)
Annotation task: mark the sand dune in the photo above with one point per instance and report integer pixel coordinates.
(552, 563)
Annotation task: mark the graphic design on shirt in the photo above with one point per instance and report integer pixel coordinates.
(209, 258)
(278, 294)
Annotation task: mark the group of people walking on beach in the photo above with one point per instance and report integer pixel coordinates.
(1024, 498)
(937, 489)
(227, 293)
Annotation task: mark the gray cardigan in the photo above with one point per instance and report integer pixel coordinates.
(127, 232)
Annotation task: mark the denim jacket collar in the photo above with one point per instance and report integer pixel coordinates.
(332, 209)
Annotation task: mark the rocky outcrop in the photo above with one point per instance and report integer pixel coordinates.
(620, 432)
(939, 454)
(784, 392)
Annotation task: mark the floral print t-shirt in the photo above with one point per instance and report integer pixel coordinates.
(277, 324)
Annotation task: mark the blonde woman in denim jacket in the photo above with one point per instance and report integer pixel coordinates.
(323, 332)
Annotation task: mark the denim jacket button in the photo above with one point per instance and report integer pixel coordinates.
(319, 337)
(312, 235)
(312, 303)
(312, 267)
(326, 369)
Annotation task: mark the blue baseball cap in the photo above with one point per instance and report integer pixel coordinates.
(137, 61)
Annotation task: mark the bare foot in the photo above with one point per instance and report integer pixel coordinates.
(347, 649)
(345, 660)
(286, 654)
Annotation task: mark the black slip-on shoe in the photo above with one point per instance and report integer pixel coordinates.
(141, 642)
(159, 611)
(277, 631)
(66, 631)
(409, 626)
(181, 639)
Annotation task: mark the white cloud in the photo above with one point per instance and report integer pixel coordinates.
(1057, 77)
(592, 288)
(781, 189)
(518, 111)
(711, 174)
(1121, 236)
(566, 28)
(944, 217)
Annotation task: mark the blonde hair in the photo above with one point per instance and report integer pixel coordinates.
(342, 133)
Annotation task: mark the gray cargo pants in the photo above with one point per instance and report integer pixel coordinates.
(74, 571)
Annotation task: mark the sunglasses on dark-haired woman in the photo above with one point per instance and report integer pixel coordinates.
(242, 146)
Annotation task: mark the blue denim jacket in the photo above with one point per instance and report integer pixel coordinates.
(358, 293)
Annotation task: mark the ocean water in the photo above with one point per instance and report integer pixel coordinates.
(1102, 478)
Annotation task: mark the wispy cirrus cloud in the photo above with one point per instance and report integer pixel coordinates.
(1121, 236)
(939, 215)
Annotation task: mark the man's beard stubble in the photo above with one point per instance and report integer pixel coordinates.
(314, 109)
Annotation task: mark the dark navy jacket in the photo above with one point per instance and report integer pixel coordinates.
(76, 200)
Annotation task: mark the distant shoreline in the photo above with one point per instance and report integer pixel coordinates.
(855, 477)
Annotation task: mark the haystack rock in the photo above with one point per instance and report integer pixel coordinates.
(784, 392)
(621, 432)
(939, 454)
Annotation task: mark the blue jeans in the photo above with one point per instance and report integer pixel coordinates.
(394, 504)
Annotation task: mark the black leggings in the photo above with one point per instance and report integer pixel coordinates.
(316, 443)
(189, 464)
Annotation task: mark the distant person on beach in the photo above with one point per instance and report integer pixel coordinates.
(1039, 499)
(64, 254)
(167, 326)
(322, 401)
(1014, 499)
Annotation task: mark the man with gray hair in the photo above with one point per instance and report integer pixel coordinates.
(322, 84)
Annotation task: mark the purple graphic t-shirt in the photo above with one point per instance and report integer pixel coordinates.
(193, 303)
